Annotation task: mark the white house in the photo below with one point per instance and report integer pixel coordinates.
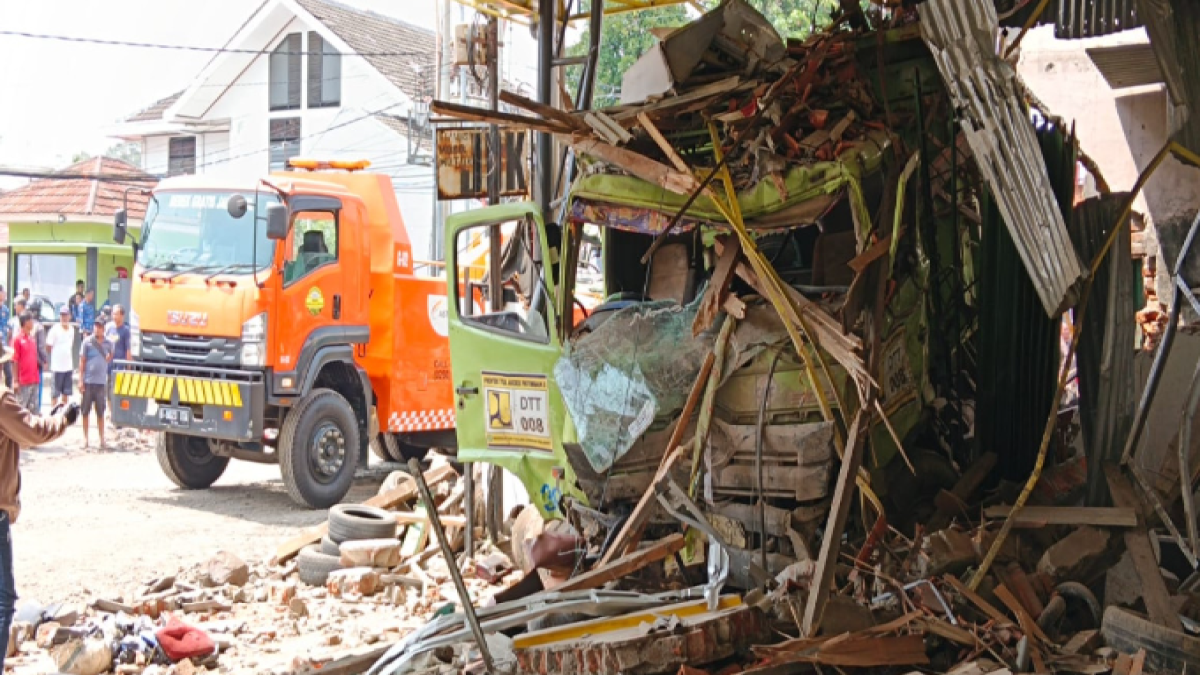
(311, 78)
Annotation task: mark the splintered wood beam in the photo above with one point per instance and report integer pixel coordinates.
(639, 165)
(1141, 551)
(473, 114)
(549, 112)
(831, 544)
(624, 566)
(1039, 516)
(718, 287)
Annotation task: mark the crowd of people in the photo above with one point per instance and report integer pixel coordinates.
(77, 352)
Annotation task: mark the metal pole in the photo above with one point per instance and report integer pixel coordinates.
(496, 282)
(587, 85)
(455, 574)
(545, 157)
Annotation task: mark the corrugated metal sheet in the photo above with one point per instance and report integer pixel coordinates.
(1018, 344)
(961, 36)
(1127, 65)
(1106, 348)
(1092, 18)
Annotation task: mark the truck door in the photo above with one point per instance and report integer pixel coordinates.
(315, 279)
(508, 408)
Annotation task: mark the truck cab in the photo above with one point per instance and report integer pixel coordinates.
(264, 328)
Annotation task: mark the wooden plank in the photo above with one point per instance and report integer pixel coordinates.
(1023, 618)
(623, 567)
(473, 114)
(420, 517)
(405, 492)
(718, 287)
(950, 504)
(1038, 516)
(417, 534)
(977, 600)
(831, 544)
(353, 664)
(638, 165)
(631, 531)
(699, 94)
(547, 111)
(1137, 542)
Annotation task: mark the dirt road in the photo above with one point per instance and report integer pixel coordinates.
(99, 523)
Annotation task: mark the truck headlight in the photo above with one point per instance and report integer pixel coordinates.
(135, 336)
(254, 337)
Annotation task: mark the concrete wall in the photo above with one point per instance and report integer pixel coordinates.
(1122, 130)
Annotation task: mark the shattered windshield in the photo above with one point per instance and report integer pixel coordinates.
(193, 231)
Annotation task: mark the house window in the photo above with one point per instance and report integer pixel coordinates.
(324, 73)
(285, 74)
(181, 156)
(285, 141)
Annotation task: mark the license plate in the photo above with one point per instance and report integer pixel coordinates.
(175, 417)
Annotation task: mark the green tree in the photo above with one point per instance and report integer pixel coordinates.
(625, 37)
(125, 151)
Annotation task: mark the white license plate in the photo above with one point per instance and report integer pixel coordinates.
(175, 417)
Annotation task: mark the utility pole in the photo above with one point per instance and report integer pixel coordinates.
(545, 157)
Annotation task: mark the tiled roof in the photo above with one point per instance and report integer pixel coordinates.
(80, 196)
(156, 110)
(404, 44)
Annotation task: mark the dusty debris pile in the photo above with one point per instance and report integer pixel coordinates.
(227, 615)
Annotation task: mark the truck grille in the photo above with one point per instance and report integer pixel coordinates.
(190, 349)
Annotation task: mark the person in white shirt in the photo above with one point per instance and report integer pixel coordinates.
(61, 341)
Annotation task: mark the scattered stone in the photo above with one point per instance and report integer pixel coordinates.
(225, 568)
(371, 553)
(1080, 556)
(298, 608)
(360, 581)
(333, 639)
(46, 633)
(90, 656)
(282, 592)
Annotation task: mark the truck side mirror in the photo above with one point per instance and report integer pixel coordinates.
(277, 222)
(120, 225)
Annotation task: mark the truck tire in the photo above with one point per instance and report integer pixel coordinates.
(391, 449)
(187, 461)
(354, 522)
(314, 566)
(330, 547)
(1167, 651)
(318, 449)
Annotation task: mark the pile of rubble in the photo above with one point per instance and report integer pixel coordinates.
(234, 616)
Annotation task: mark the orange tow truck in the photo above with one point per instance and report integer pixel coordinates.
(282, 321)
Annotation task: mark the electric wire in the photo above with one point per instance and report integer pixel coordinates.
(189, 48)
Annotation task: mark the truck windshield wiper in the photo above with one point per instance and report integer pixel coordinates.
(161, 267)
(225, 269)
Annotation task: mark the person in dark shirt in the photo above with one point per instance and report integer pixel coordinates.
(121, 344)
(87, 312)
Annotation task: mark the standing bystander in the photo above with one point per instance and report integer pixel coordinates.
(5, 336)
(61, 340)
(94, 357)
(18, 430)
(87, 312)
(25, 357)
(121, 343)
(43, 352)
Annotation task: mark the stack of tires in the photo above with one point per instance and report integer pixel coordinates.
(347, 522)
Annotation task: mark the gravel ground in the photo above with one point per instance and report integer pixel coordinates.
(95, 523)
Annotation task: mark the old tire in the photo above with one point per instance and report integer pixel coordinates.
(379, 447)
(354, 522)
(389, 448)
(187, 461)
(318, 449)
(1167, 651)
(330, 547)
(314, 566)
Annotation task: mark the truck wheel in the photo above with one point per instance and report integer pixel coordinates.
(187, 461)
(318, 449)
(391, 449)
(379, 446)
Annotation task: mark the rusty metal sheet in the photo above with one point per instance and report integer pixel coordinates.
(961, 34)
(463, 163)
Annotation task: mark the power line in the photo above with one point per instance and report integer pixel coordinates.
(54, 175)
(193, 48)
